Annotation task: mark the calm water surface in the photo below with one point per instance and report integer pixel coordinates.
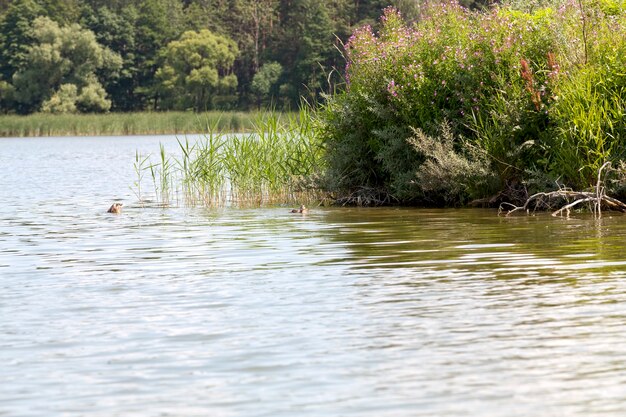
(258, 312)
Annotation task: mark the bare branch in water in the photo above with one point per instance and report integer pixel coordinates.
(551, 200)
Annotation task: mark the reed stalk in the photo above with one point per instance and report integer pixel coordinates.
(275, 164)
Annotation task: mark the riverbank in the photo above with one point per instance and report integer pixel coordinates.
(143, 123)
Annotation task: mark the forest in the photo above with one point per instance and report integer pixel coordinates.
(84, 56)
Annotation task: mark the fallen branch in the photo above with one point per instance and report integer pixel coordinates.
(543, 200)
(596, 198)
(569, 206)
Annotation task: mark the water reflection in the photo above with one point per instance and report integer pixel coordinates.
(381, 312)
(477, 239)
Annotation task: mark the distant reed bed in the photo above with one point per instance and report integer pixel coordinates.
(143, 123)
(278, 163)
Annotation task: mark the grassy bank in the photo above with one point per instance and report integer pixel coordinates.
(125, 123)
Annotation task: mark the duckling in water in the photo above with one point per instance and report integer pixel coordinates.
(302, 209)
(116, 208)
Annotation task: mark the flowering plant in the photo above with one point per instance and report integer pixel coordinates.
(512, 83)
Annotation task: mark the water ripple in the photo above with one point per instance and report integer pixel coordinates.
(256, 312)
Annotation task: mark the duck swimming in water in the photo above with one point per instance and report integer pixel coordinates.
(116, 208)
(302, 209)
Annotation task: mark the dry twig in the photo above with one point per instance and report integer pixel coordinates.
(597, 198)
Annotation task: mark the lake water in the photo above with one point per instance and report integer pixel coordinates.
(259, 312)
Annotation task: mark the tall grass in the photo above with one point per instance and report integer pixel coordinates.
(276, 164)
(125, 123)
(591, 119)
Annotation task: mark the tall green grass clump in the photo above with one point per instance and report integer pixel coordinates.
(276, 164)
(518, 95)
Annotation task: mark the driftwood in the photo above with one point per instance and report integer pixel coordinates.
(596, 200)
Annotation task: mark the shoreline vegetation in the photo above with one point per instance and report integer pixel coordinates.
(518, 106)
(136, 123)
(277, 163)
(483, 107)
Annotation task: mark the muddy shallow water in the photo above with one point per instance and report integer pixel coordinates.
(259, 312)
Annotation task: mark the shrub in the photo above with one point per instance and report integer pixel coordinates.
(535, 91)
(449, 176)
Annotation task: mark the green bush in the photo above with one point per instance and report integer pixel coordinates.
(533, 91)
(449, 176)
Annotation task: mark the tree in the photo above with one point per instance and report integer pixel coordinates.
(62, 11)
(368, 12)
(410, 9)
(7, 92)
(16, 35)
(304, 48)
(196, 70)
(114, 5)
(115, 29)
(209, 14)
(265, 80)
(159, 22)
(62, 101)
(59, 58)
(304, 36)
(199, 16)
(252, 25)
(249, 23)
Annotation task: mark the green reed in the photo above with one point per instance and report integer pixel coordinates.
(113, 124)
(140, 168)
(276, 164)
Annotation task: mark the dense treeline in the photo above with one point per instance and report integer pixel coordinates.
(132, 55)
(100, 55)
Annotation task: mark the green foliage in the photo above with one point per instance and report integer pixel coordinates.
(538, 90)
(304, 36)
(92, 99)
(63, 12)
(62, 56)
(7, 93)
(196, 69)
(251, 24)
(62, 101)
(16, 35)
(265, 80)
(448, 176)
(116, 30)
(613, 7)
(305, 62)
(158, 23)
(591, 119)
